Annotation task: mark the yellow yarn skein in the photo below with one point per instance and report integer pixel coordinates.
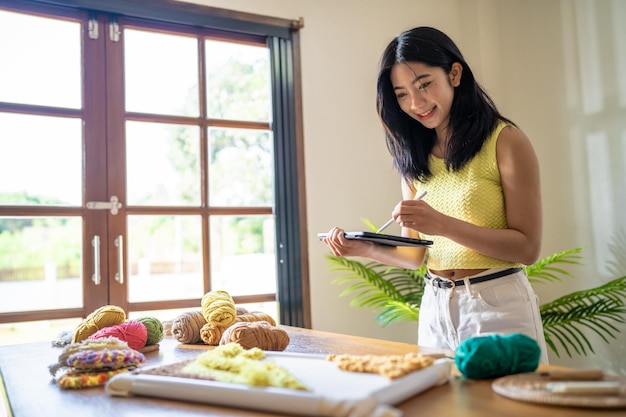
(218, 308)
(106, 316)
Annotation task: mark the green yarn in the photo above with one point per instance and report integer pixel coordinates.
(155, 329)
(493, 356)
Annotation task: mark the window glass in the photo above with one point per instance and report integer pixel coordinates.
(241, 167)
(45, 163)
(40, 61)
(164, 258)
(41, 263)
(161, 72)
(243, 258)
(238, 81)
(162, 164)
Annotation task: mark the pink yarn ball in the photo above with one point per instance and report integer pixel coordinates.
(134, 333)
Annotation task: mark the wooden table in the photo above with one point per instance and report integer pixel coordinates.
(30, 391)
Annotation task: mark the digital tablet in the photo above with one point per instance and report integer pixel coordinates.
(382, 239)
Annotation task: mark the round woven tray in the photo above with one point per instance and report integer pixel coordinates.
(531, 387)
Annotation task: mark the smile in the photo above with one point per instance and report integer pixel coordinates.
(426, 113)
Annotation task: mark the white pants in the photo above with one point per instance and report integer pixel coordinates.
(500, 306)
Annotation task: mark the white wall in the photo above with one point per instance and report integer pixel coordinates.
(563, 69)
(535, 58)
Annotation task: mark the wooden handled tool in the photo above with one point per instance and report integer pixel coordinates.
(575, 375)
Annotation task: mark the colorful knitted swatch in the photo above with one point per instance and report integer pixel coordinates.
(92, 363)
(79, 380)
(113, 359)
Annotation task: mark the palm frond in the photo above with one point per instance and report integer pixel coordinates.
(614, 290)
(596, 309)
(369, 224)
(410, 283)
(365, 282)
(396, 292)
(617, 248)
(544, 270)
(395, 311)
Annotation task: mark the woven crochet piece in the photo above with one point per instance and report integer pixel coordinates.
(79, 380)
(108, 358)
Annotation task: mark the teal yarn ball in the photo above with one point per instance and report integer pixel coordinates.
(493, 356)
(155, 329)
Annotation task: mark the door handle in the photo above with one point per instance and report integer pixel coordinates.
(114, 205)
(119, 275)
(96, 260)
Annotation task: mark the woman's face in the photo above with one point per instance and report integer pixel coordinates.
(425, 93)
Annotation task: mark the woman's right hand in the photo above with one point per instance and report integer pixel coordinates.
(340, 246)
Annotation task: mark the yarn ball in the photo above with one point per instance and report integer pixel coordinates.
(259, 334)
(154, 328)
(218, 308)
(256, 316)
(241, 310)
(105, 316)
(211, 334)
(167, 328)
(493, 356)
(132, 332)
(186, 327)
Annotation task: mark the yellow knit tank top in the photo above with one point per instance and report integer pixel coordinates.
(473, 194)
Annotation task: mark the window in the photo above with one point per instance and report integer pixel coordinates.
(154, 155)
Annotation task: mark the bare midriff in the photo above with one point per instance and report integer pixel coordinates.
(457, 273)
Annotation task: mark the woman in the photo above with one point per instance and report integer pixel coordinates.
(483, 206)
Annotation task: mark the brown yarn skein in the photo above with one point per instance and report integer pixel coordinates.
(211, 334)
(167, 328)
(186, 327)
(255, 316)
(260, 334)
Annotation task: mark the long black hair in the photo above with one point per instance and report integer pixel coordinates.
(473, 115)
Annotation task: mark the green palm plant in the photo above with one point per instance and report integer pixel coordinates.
(396, 293)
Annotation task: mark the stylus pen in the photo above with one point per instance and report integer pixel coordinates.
(386, 225)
